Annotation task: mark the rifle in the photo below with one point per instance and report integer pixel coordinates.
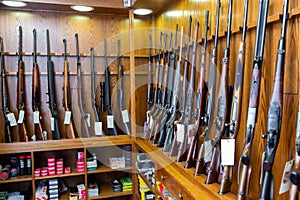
(85, 129)
(156, 93)
(244, 175)
(183, 147)
(201, 94)
(175, 97)
(171, 61)
(176, 144)
(23, 133)
(150, 84)
(102, 96)
(110, 120)
(236, 103)
(36, 93)
(51, 92)
(207, 120)
(5, 106)
(120, 93)
(275, 112)
(67, 103)
(212, 175)
(93, 95)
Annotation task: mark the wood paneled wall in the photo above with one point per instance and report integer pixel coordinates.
(287, 141)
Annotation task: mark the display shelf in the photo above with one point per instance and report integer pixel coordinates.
(103, 169)
(106, 191)
(60, 175)
(17, 179)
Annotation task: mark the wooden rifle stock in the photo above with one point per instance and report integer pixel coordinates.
(69, 128)
(85, 130)
(23, 134)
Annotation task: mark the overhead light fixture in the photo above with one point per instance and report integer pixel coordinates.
(82, 8)
(14, 3)
(142, 11)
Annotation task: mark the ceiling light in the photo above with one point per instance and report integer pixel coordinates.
(142, 11)
(14, 3)
(82, 8)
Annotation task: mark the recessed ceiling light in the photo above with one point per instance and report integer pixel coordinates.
(142, 11)
(14, 3)
(82, 8)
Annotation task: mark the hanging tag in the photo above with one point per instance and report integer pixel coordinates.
(180, 133)
(21, 117)
(125, 116)
(44, 135)
(98, 128)
(67, 117)
(52, 124)
(190, 127)
(12, 119)
(227, 151)
(151, 122)
(88, 119)
(207, 151)
(262, 167)
(33, 138)
(285, 181)
(36, 117)
(147, 117)
(110, 121)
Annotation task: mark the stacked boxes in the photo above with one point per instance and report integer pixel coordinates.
(53, 189)
(126, 183)
(80, 162)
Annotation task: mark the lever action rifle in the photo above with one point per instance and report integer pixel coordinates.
(150, 88)
(275, 112)
(110, 116)
(23, 133)
(175, 98)
(51, 92)
(234, 122)
(36, 94)
(93, 95)
(171, 61)
(67, 102)
(201, 94)
(5, 106)
(176, 143)
(245, 166)
(85, 129)
(207, 120)
(213, 169)
(189, 106)
(120, 92)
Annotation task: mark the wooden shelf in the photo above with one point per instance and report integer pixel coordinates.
(104, 169)
(17, 179)
(106, 191)
(61, 175)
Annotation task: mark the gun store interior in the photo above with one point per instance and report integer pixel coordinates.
(139, 99)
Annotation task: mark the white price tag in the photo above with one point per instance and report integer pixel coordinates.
(190, 127)
(21, 117)
(227, 151)
(12, 119)
(125, 116)
(33, 138)
(180, 133)
(262, 169)
(52, 124)
(285, 181)
(110, 121)
(151, 122)
(207, 151)
(36, 117)
(88, 120)
(67, 117)
(98, 128)
(147, 117)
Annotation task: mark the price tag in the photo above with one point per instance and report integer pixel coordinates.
(67, 117)
(36, 117)
(227, 151)
(207, 151)
(12, 119)
(285, 181)
(125, 116)
(33, 138)
(190, 127)
(52, 124)
(151, 122)
(147, 117)
(44, 135)
(88, 120)
(98, 128)
(21, 117)
(262, 167)
(180, 133)
(110, 121)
